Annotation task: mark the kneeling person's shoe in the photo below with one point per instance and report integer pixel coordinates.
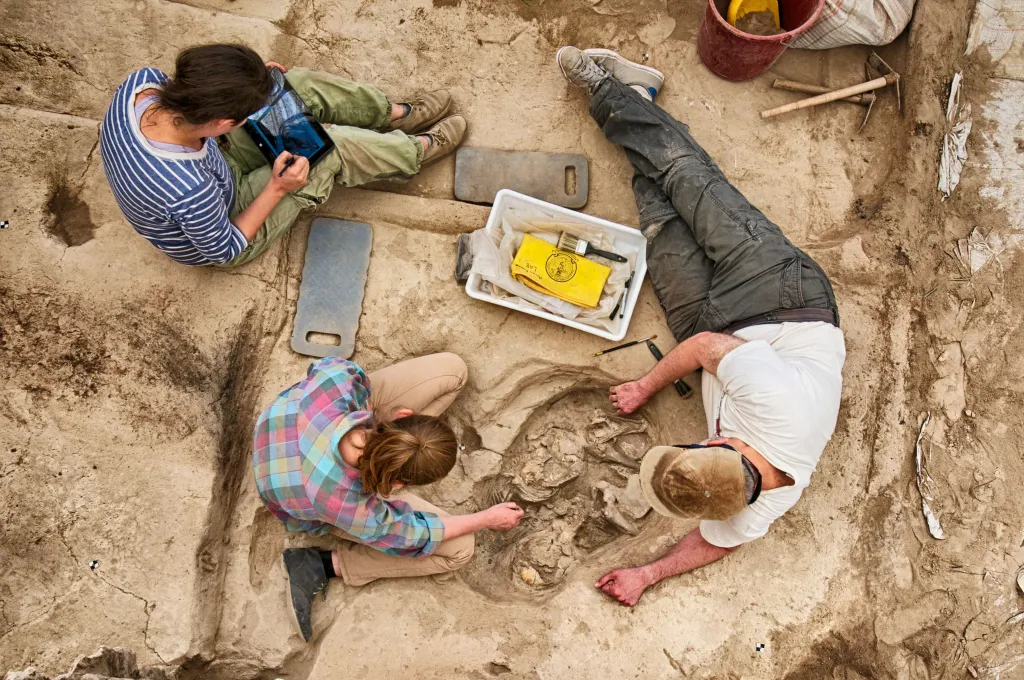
(445, 137)
(424, 111)
(307, 579)
(644, 79)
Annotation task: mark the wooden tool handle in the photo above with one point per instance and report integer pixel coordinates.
(827, 97)
(793, 86)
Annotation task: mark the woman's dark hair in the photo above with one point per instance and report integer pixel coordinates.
(414, 450)
(215, 82)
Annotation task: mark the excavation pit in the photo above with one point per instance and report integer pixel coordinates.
(573, 469)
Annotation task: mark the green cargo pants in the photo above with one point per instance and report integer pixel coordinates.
(353, 115)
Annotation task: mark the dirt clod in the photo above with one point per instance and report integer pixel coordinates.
(866, 209)
(758, 23)
(495, 668)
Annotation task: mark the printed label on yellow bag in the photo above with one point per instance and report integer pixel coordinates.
(566, 276)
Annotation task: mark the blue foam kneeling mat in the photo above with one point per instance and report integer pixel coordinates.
(333, 282)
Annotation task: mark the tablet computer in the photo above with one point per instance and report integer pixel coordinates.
(287, 124)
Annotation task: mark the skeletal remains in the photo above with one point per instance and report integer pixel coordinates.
(579, 487)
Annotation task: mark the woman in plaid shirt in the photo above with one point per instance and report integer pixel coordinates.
(329, 459)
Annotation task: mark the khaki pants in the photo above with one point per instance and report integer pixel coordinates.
(426, 385)
(353, 115)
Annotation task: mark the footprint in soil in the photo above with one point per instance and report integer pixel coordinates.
(573, 468)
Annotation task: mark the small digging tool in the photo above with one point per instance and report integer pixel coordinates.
(875, 66)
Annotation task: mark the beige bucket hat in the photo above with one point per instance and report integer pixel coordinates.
(705, 482)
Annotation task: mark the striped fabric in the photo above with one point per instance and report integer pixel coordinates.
(857, 22)
(303, 480)
(179, 201)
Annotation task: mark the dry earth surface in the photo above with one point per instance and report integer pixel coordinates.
(130, 384)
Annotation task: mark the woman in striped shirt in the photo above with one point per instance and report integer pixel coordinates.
(207, 204)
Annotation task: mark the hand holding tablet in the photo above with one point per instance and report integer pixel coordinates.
(286, 124)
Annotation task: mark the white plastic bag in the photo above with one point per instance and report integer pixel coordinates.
(856, 22)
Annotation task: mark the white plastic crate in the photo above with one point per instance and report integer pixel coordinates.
(626, 237)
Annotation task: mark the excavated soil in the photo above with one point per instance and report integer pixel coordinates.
(758, 23)
(130, 385)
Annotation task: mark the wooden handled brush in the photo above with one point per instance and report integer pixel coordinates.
(573, 244)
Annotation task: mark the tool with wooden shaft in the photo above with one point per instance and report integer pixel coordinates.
(793, 86)
(886, 77)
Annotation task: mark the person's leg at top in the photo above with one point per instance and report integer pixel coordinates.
(756, 270)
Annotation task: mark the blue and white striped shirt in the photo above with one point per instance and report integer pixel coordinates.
(181, 202)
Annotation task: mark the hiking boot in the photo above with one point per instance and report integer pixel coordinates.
(424, 111)
(445, 137)
(644, 79)
(307, 579)
(579, 69)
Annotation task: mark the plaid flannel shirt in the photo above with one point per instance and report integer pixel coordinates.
(303, 480)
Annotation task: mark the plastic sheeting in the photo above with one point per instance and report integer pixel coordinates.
(924, 485)
(998, 26)
(954, 143)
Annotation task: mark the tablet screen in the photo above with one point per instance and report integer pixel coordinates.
(286, 123)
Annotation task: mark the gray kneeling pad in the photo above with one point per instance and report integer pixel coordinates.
(559, 178)
(333, 282)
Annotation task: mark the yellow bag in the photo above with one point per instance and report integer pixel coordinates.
(566, 276)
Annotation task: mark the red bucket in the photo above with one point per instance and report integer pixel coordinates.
(734, 55)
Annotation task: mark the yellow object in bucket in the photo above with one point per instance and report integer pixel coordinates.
(737, 8)
(566, 276)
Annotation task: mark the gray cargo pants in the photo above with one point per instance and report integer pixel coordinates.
(713, 258)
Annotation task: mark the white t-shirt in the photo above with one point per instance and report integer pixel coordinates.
(778, 392)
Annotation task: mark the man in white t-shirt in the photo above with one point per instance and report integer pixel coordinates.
(749, 308)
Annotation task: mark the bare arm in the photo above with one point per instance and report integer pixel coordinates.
(704, 350)
(692, 552)
(295, 176)
(688, 554)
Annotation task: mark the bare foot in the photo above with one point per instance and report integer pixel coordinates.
(625, 585)
(628, 397)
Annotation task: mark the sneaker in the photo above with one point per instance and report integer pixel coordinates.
(445, 137)
(579, 69)
(644, 79)
(424, 111)
(307, 579)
